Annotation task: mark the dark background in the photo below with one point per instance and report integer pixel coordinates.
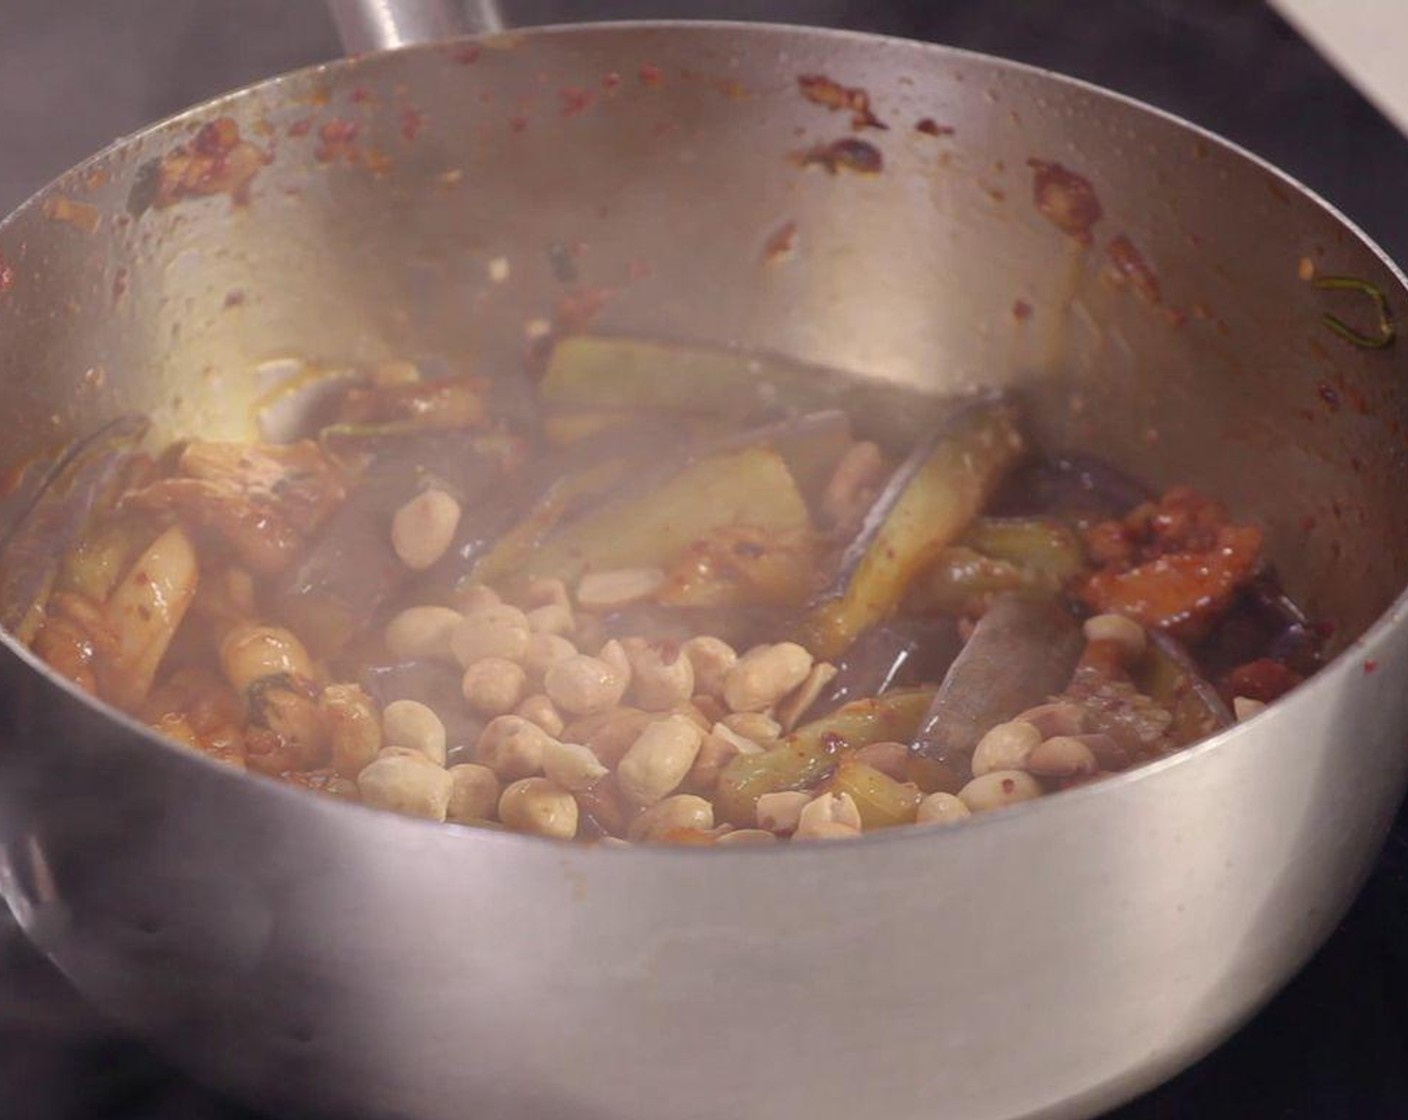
(76, 73)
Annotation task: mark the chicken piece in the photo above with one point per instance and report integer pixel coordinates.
(195, 707)
(1175, 564)
(264, 500)
(143, 613)
(73, 634)
(287, 731)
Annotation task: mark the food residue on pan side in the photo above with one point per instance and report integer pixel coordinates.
(930, 127)
(217, 160)
(1386, 329)
(81, 215)
(1128, 266)
(821, 90)
(781, 243)
(575, 100)
(337, 140)
(1066, 199)
(848, 154)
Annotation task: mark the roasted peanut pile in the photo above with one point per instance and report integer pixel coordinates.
(625, 739)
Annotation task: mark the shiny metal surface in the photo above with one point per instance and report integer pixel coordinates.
(1050, 961)
(378, 25)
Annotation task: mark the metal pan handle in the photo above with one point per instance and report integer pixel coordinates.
(379, 25)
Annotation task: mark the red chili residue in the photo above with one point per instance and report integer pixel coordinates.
(1066, 199)
(412, 121)
(234, 297)
(82, 216)
(337, 140)
(575, 100)
(821, 90)
(652, 76)
(1021, 310)
(930, 127)
(611, 80)
(847, 153)
(468, 54)
(732, 89)
(518, 123)
(1371, 666)
(1327, 393)
(7, 275)
(1128, 266)
(119, 284)
(216, 161)
(376, 161)
(780, 243)
(1265, 680)
(361, 95)
(300, 127)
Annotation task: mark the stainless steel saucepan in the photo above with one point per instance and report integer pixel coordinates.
(1048, 961)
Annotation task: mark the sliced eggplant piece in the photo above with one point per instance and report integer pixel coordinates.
(550, 493)
(1022, 652)
(929, 502)
(804, 757)
(462, 464)
(1172, 679)
(587, 371)
(904, 652)
(1081, 489)
(624, 466)
(810, 444)
(1035, 555)
(1044, 546)
(491, 557)
(51, 517)
(748, 487)
(1263, 622)
(341, 583)
(882, 801)
(351, 571)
